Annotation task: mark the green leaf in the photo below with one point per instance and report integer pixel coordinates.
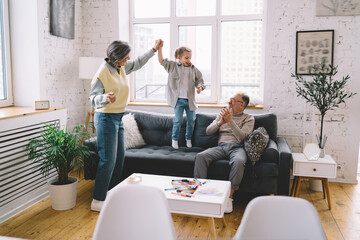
(59, 149)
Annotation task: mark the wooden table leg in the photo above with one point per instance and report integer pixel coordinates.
(327, 192)
(298, 182)
(224, 221)
(212, 227)
(323, 187)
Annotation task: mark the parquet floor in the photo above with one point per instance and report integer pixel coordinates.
(40, 221)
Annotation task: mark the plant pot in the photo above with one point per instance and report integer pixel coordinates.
(315, 185)
(63, 197)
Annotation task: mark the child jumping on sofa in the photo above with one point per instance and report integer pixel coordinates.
(183, 78)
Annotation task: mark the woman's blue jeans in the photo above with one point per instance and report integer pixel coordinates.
(181, 105)
(111, 149)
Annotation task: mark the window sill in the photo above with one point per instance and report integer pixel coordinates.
(11, 112)
(200, 105)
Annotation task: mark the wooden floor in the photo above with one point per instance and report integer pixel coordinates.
(42, 222)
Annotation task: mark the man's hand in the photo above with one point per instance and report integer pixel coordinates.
(199, 89)
(110, 97)
(226, 116)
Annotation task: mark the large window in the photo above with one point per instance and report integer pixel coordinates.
(226, 38)
(6, 98)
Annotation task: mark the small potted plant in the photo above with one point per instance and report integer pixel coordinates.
(323, 92)
(63, 151)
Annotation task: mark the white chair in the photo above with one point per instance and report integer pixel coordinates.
(135, 212)
(280, 217)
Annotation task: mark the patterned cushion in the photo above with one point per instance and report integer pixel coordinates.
(255, 144)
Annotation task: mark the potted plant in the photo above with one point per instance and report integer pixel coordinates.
(323, 92)
(63, 151)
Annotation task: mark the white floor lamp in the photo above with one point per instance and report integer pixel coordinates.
(87, 69)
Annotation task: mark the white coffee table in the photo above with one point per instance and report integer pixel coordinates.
(201, 204)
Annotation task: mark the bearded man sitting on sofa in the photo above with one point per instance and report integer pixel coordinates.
(234, 126)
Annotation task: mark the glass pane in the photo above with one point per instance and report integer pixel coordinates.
(150, 81)
(195, 8)
(151, 9)
(237, 7)
(241, 46)
(198, 39)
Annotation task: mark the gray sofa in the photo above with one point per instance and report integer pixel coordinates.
(270, 175)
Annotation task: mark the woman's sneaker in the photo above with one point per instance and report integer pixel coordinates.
(229, 206)
(175, 144)
(96, 205)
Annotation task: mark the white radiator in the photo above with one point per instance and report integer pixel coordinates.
(21, 183)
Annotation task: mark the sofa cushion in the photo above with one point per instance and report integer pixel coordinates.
(220, 170)
(156, 129)
(163, 160)
(255, 144)
(269, 122)
(132, 135)
(200, 139)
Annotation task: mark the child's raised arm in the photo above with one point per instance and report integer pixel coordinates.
(160, 55)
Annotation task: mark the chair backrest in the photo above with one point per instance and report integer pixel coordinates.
(280, 217)
(135, 212)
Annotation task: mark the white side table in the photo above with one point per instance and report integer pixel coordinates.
(322, 169)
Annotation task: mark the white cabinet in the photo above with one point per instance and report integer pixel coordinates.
(323, 167)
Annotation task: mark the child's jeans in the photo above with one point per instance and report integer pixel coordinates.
(181, 105)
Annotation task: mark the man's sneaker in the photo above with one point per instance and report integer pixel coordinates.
(175, 144)
(96, 205)
(229, 205)
(188, 143)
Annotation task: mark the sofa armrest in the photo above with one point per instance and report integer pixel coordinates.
(285, 165)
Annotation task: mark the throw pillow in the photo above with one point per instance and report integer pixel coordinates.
(132, 135)
(255, 144)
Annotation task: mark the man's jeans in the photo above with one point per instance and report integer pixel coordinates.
(181, 105)
(111, 149)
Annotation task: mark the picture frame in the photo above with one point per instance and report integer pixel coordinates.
(312, 48)
(62, 18)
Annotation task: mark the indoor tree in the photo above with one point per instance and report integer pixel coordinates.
(323, 92)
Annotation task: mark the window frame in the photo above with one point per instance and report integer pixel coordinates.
(213, 21)
(5, 38)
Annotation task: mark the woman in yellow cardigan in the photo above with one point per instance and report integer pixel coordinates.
(109, 95)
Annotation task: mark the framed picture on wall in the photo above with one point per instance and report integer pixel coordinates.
(312, 48)
(62, 18)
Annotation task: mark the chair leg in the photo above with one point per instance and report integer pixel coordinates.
(87, 119)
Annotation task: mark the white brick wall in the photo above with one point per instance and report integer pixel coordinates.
(298, 121)
(96, 25)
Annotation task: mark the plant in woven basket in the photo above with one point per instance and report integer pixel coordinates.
(323, 92)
